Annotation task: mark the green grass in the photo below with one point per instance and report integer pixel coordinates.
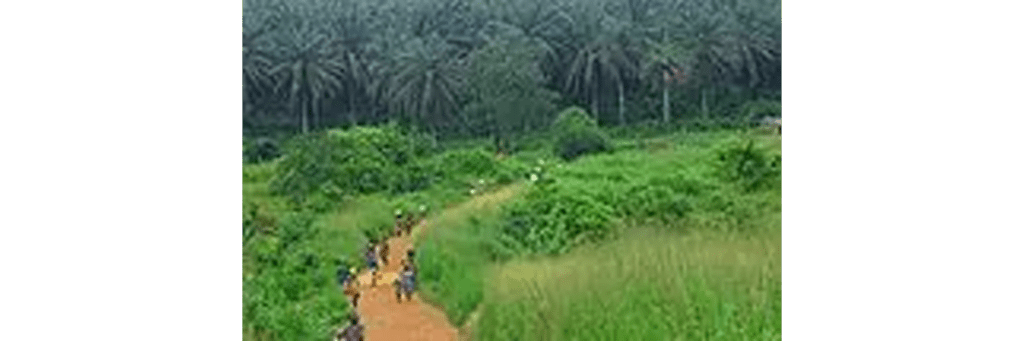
(342, 232)
(452, 254)
(648, 285)
(709, 274)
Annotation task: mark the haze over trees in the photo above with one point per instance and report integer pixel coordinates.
(495, 68)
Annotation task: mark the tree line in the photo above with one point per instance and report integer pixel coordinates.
(502, 67)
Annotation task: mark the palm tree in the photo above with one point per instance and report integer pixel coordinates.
(708, 43)
(602, 65)
(663, 68)
(352, 25)
(426, 81)
(505, 86)
(259, 19)
(542, 23)
(310, 67)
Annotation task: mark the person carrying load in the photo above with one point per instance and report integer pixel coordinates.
(398, 223)
(371, 262)
(408, 283)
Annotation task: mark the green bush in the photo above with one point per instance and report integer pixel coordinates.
(259, 150)
(291, 294)
(755, 110)
(552, 219)
(475, 162)
(257, 172)
(576, 133)
(684, 188)
(750, 165)
(353, 161)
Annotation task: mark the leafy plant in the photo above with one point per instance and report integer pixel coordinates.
(576, 134)
(291, 293)
(748, 164)
(341, 162)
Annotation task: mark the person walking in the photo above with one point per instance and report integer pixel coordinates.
(371, 262)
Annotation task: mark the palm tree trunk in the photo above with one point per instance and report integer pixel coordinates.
(351, 107)
(622, 106)
(433, 133)
(664, 103)
(305, 115)
(704, 103)
(314, 108)
(593, 106)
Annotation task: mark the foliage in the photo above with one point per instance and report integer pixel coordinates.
(257, 173)
(310, 64)
(291, 294)
(453, 257)
(426, 84)
(759, 109)
(475, 162)
(553, 219)
(575, 134)
(346, 162)
(647, 286)
(714, 183)
(306, 167)
(751, 166)
(260, 150)
(505, 84)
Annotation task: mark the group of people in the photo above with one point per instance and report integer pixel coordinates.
(404, 224)
(375, 256)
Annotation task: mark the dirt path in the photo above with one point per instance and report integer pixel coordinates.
(387, 319)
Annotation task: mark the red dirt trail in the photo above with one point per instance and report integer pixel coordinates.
(387, 319)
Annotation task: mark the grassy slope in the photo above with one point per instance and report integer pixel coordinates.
(451, 254)
(645, 286)
(455, 264)
(653, 284)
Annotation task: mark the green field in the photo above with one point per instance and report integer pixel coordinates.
(649, 285)
(691, 251)
(673, 236)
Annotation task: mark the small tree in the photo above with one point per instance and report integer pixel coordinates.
(576, 133)
(505, 81)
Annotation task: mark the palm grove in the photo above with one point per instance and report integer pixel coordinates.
(497, 68)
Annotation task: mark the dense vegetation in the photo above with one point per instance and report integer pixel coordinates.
(724, 185)
(298, 228)
(648, 285)
(582, 123)
(312, 209)
(500, 68)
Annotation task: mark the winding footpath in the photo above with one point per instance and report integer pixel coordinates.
(387, 319)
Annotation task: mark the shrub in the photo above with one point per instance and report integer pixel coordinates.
(750, 165)
(575, 134)
(475, 162)
(551, 219)
(307, 164)
(755, 110)
(353, 161)
(260, 150)
(257, 172)
(291, 293)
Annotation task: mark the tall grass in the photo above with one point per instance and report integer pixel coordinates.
(344, 233)
(452, 254)
(649, 285)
